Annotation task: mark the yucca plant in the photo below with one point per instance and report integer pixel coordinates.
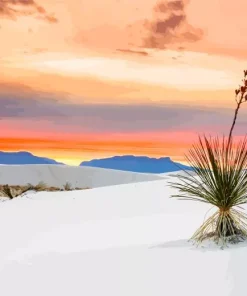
(220, 179)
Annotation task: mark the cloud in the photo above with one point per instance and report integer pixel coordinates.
(27, 107)
(49, 18)
(13, 9)
(170, 26)
(129, 51)
(33, 50)
(39, 50)
(176, 5)
(34, 107)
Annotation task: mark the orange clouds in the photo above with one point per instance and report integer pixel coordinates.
(12, 9)
(170, 26)
(79, 148)
(129, 51)
(72, 149)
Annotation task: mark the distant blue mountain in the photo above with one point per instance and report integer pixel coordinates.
(23, 157)
(140, 164)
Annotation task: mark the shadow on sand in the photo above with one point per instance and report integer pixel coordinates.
(203, 247)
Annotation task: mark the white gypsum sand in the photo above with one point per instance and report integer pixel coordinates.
(118, 240)
(58, 175)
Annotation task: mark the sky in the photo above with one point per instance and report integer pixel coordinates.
(91, 79)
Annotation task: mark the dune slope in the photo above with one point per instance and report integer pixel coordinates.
(118, 240)
(58, 175)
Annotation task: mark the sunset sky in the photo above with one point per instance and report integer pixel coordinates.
(91, 79)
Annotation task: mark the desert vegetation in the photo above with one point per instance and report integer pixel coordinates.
(67, 186)
(12, 191)
(220, 180)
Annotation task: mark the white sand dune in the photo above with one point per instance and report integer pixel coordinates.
(174, 174)
(117, 240)
(58, 175)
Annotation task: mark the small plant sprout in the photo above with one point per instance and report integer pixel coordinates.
(41, 186)
(67, 186)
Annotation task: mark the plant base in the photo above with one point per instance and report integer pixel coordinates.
(223, 227)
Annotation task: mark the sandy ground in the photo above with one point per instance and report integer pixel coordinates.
(123, 240)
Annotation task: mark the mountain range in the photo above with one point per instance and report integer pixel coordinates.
(24, 157)
(139, 164)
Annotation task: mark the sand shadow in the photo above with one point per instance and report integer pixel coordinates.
(182, 243)
(203, 247)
